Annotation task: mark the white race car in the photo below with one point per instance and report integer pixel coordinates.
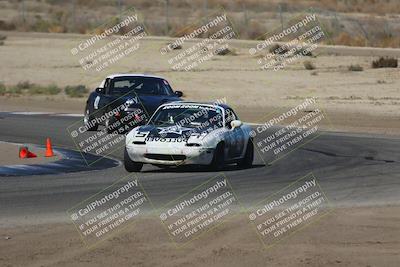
(182, 133)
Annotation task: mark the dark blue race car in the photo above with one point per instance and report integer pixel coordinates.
(124, 101)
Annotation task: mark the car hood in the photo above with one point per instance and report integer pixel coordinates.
(171, 131)
(150, 102)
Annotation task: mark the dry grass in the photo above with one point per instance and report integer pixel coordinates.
(345, 38)
(28, 88)
(251, 18)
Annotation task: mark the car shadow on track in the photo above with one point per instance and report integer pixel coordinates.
(193, 168)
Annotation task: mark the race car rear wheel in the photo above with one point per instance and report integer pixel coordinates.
(247, 161)
(218, 161)
(87, 119)
(130, 165)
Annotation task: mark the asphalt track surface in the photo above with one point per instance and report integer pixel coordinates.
(71, 161)
(352, 170)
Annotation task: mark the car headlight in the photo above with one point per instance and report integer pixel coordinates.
(195, 139)
(193, 144)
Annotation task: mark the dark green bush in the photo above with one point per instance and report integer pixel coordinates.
(24, 85)
(309, 65)
(385, 62)
(76, 91)
(51, 89)
(355, 68)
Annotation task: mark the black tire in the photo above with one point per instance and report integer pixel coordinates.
(130, 165)
(247, 161)
(87, 118)
(107, 124)
(218, 161)
(112, 126)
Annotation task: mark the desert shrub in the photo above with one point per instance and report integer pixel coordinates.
(7, 26)
(40, 25)
(2, 89)
(225, 51)
(174, 46)
(355, 68)
(51, 89)
(309, 65)
(1, 43)
(76, 91)
(2, 37)
(385, 62)
(278, 50)
(14, 90)
(24, 85)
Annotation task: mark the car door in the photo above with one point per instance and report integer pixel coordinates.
(235, 138)
(152, 102)
(103, 100)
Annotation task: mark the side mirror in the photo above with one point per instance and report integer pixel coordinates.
(178, 93)
(100, 90)
(236, 124)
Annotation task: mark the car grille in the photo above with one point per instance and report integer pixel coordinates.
(165, 157)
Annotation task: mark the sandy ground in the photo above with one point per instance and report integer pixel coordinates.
(345, 237)
(61, 104)
(366, 101)
(9, 155)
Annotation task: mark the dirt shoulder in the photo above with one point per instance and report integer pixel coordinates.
(365, 236)
(59, 104)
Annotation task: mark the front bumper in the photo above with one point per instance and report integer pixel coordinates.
(182, 155)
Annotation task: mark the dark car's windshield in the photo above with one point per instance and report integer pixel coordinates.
(188, 116)
(139, 85)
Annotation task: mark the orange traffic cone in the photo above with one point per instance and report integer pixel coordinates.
(31, 155)
(24, 153)
(49, 149)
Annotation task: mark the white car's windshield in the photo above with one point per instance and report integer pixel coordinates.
(188, 116)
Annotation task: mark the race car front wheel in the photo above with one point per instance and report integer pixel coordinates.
(247, 161)
(218, 161)
(130, 165)
(87, 120)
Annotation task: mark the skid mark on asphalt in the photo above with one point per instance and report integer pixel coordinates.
(331, 154)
